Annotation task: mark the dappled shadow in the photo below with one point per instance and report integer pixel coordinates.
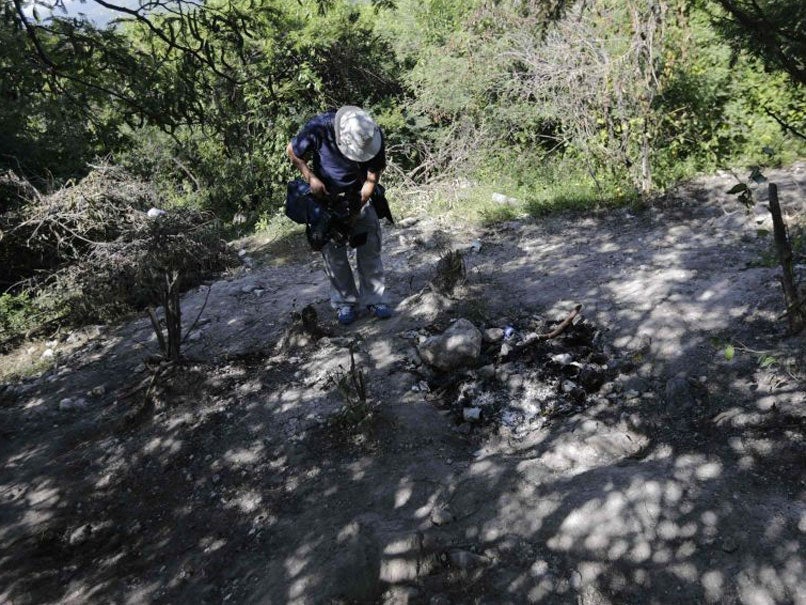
(237, 485)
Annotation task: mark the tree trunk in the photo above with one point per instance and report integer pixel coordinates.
(794, 306)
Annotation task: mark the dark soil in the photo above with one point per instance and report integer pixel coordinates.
(652, 453)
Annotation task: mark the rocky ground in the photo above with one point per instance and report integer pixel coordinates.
(653, 452)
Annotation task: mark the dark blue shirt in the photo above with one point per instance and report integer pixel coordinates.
(316, 143)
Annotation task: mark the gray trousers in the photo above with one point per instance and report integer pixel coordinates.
(371, 284)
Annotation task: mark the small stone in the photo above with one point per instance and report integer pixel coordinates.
(515, 382)
(464, 428)
(242, 252)
(562, 359)
(80, 535)
(98, 391)
(632, 394)
(500, 198)
(493, 335)
(68, 404)
(441, 516)
(155, 212)
(568, 386)
(407, 222)
(48, 354)
(475, 245)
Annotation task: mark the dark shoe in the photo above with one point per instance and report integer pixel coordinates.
(381, 310)
(346, 315)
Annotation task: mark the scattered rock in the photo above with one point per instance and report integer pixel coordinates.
(48, 354)
(69, 404)
(98, 391)
(407, 222)
(400, 595)
(441, 516)
(562, 359)
(155, 212)
(80, 535)
(458, 346)
(500, 198)
(491, 335)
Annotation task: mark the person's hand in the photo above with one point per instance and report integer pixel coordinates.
(317, 187)
(367, 189)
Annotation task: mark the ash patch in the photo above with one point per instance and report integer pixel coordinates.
(522, 384)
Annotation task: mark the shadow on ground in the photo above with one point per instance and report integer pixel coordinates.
(233, 479)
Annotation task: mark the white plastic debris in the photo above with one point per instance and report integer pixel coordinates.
(471, 414)
(155, 212)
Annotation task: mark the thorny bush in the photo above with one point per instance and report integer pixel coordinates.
(93, 249)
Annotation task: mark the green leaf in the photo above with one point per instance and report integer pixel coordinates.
(737, 189)
(729, 352)
(766, 361)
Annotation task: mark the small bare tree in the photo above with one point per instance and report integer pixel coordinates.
(595, 73)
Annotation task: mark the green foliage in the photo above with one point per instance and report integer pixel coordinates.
(16, 315)
(773, 30)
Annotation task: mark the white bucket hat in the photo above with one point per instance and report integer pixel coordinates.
(357, 135)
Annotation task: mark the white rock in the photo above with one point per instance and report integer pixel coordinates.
(68, 404)
(458, 346)
(500, 198)
(493, 335)
(80, 535)
(242, 252)
(475, 245)
(48, 354)
(562, 359)
(155, 212)
(441, 516)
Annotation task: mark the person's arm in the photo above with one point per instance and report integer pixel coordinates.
(368, 188)
(317, 186)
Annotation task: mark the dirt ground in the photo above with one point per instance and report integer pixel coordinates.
(653, 453)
